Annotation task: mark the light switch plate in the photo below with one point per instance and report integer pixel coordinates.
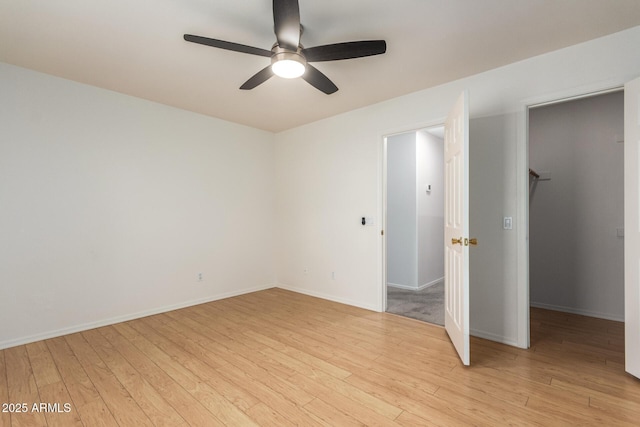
(507, 223)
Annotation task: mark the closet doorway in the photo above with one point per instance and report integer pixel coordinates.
(576, 207)
(415, 224)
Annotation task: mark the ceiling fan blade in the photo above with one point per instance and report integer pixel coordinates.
(347, 50)
(258, 78)
(318, 80)
(286, 23)
(236, 47)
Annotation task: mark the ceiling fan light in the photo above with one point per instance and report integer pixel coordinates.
(288, 69)
(288, 65)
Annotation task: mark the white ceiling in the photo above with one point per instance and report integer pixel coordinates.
(136, 47)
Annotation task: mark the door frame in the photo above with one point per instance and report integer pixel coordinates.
(522, 183)
(383, 197)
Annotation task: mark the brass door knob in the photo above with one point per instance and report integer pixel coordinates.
(456, 241)
(473, 242)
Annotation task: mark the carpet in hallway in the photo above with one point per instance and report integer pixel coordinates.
(426, 304)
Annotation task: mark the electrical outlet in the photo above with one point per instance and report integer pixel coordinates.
(199, 277)
(333, 275)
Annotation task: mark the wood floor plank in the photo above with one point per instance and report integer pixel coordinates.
(5, 417)
(231, 346)
(407, 419)
(499, 383)
(392, 380)
(145, 339)
(86, 399)
(623, 410)
(349, 391)
(284, 404)
(250, 363)
(528, 372)
(122, 406)
(332, 416)
(159, 411)
(267, 417)
(310, 336)
(364, 413)
(489, 350)
(278, 358)
(486, 385)
(624, 407)
(489, 411)
(566, 415)
(174, 345)
(416, 404)
(60, 410)
(163, 321)
(23, 390)
(300, 355)
(54, 396)
(594, 381)
(44, 368)
(185, 404)
(335, 336)
(239, 343)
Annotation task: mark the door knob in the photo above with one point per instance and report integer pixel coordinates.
(456, 241)
(472, 242)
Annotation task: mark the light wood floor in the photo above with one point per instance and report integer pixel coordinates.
(277, 358)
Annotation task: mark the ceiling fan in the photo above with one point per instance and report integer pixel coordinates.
(289, 58)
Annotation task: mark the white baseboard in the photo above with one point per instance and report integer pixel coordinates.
(607, 316)
(476, 333)
(125, 318)
(328, 297)
(164, 309)
(494, 337)
(399, 286)
(418, 288)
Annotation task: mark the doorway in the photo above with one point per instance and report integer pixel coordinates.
(415, 224)
(576, 206)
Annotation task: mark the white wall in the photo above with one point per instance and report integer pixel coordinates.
(329, 174)
(430, 171)
(110, 206)
(577, 258)
(402, 224)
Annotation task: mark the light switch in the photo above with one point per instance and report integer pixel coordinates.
(507, 223)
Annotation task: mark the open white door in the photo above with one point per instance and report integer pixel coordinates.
(632, 227)
(456, 228)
